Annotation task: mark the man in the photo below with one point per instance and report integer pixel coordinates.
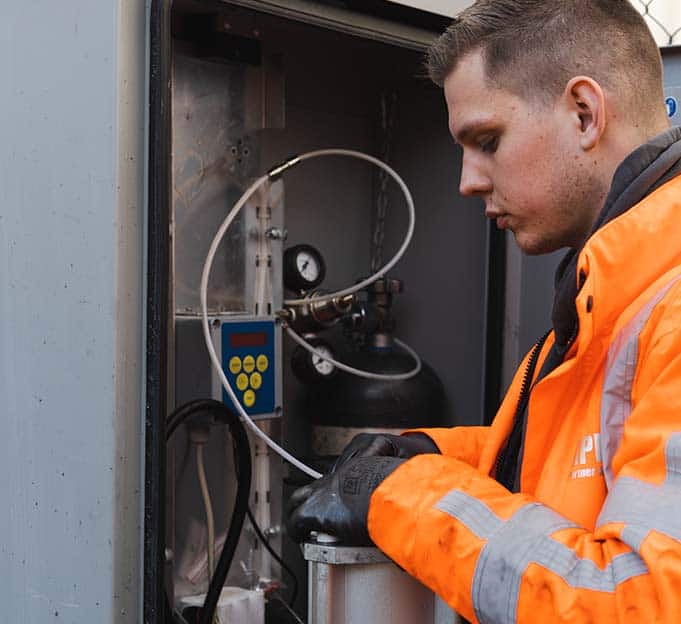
(568, 508)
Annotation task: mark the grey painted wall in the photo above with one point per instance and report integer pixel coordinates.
(671, 58)
(672, 79)
(529, 300)
(442, 311)
(72, 92)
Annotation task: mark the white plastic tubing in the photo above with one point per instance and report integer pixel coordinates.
(356, 371)
(326, 297)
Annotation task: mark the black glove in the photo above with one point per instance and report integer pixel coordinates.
(338, 503)
(386, 445)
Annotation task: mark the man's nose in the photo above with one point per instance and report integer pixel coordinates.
(474, 181)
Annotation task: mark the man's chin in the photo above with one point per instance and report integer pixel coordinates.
(532, 246)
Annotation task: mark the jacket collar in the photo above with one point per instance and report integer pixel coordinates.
(645, 170)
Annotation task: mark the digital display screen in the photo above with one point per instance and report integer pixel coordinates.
(253, 339)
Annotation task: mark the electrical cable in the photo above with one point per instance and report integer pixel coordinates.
(356, 371)
(242, 460)
(205, 495)
(276, 557)
(266, 543)
(203, 291)
(191, 408)
(288, 607)
(184, 462)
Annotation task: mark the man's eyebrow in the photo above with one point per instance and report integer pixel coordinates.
(468, 129)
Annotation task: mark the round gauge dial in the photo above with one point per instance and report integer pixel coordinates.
(307, 265)
(309, 367)
(304, 268)
(322, 366)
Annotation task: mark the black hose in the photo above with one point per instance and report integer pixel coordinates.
(242, 460)
(268, 546)
(197, 406)
(276, 557)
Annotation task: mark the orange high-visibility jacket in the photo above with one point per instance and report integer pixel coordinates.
(595, 533)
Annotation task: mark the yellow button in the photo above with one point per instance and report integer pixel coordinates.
(235, 365)
(262, 363)
(249, 398)
(256, 381)
(249, 364)
(242, 382)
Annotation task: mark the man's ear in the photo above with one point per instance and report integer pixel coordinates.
(586, 100)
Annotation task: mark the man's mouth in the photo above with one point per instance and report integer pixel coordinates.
(502, 221)
(500, 218)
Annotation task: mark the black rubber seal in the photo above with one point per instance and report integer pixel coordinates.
(157, 312)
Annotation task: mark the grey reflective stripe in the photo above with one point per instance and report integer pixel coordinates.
(478, 517)
(643, 507)
(505, 557)
(672, 455)
(620, 369)
(523, 540)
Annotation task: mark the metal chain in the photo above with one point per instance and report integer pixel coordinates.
(653, 11)
(388, 105)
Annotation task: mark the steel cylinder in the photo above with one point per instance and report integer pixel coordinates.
(347, 405)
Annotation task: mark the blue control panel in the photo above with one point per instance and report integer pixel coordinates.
(248, 359)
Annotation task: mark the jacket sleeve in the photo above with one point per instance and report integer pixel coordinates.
(464, 443)
(498, 557)
(477, 446)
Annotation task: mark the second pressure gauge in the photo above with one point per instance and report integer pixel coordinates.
(309, 367)
(304, 268)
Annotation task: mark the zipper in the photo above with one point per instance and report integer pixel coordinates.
(523, 399)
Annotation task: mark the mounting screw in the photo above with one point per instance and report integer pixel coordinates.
(275, 233)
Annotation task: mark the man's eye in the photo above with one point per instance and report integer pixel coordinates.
(489, 144)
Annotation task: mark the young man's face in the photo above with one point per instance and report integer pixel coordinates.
(523, 159)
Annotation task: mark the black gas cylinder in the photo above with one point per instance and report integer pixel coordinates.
(347, 405)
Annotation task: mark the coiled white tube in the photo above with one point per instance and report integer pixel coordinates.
(356, 371)
(405, 243)
(203, 291)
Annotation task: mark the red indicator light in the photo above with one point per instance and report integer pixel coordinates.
(258, 339)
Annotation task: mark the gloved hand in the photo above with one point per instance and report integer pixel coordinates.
(338, 503)
(386, 445)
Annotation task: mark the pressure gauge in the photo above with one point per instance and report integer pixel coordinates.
(304, 268)
(322, 366)
(309, 367)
